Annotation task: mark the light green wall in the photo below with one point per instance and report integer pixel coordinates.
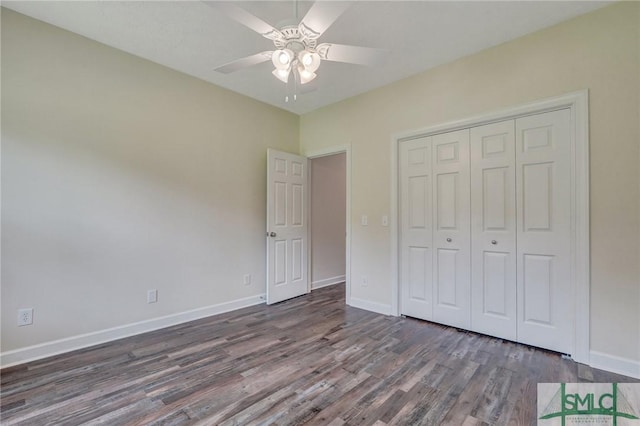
(598, 51)
(119, 176)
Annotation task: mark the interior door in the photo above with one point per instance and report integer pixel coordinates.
(287, 247)
(543, 191)
(416, 258)
(493, 230)
(451, 232)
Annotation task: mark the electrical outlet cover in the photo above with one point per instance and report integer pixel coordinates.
(25, 317)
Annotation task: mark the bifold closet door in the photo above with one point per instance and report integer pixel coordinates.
(416, 228)
(543, 192)
(486, 229)
(451, 229)
(493, 230)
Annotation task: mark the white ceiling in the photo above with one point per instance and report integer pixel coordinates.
(194, 38)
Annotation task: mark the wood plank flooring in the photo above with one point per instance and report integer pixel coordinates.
(310, 360)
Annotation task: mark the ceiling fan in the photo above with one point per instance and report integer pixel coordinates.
(297, 54)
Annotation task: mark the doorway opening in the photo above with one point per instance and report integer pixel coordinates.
(328, 220)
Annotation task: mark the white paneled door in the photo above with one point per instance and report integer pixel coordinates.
(287, 194)
(543, 191)
(493, 230)
(416, 232)
(485, 229)
(451, 232)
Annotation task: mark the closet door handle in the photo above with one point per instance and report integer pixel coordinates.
(494, 242)
(448, 240)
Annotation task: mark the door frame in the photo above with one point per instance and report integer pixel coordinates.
(578, 104)
(339, 149)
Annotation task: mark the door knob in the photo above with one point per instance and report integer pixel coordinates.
(272, 234)
(448, 240)
(494, 242)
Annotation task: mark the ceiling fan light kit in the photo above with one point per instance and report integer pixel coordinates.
(296, 51)
(298, 57)
(305, 75)
(282, 75)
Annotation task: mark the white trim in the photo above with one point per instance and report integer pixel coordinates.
(570, 100)
(615, 364)
(56, 347)
(367, 305)
(578, 103)
(327, 282)
(394, 230)
(339, 149)
(581, 237)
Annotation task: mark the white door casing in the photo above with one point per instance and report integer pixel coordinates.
(287, 227)
(543, 191)
(416, 228)
(451, 230)
(493, 230)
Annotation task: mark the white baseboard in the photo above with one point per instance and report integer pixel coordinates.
(327, 282)
(367, 305)
(56, 347)
(615, 364)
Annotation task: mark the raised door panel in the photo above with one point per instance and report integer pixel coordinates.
(447, 190)
(538, 290)
(415, 228)
(447, 280)
(419, 271)
(537, 194)
(297, 260)
(297, 205)
(545, 308)
(451, 234)
(493, 230)
(280, 262)
(280, 203)
(495, 280)
(418, 202)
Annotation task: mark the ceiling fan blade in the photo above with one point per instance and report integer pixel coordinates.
(247, 19)
(244, 62)
(351, 54)
(320, 17)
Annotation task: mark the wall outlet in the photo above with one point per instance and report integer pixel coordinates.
(364, 281)
(25, 316)
(364, 220)
(247, 279)
(152, 296)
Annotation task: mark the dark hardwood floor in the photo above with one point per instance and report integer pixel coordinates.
(310, 360)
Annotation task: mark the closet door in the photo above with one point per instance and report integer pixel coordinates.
(493, 230)
(416, 229)
(451, 231)
(543, 179)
